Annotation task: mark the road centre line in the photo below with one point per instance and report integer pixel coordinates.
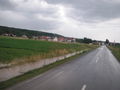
(84, 87)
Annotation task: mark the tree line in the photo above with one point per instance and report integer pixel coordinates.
(29, 33)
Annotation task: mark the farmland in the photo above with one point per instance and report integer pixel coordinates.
(14, 50)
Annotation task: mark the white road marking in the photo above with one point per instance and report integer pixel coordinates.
(58, 73)
(50, 79)
(84, 87)
(97, 59)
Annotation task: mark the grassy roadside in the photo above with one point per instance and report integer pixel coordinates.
(33, 73)
(116, 51)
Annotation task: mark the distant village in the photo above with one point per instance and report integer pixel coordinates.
(64, 39)
(45, 38)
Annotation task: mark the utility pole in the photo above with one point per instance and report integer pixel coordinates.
(114, 42)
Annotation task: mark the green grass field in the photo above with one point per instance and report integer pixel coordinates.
(17, 50)
(116, 51)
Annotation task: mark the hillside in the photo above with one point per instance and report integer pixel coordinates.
(19, 32)
(31, 33)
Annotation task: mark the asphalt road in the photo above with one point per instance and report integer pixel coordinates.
(97, 70)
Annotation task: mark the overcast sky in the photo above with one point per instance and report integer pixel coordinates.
(96, 19)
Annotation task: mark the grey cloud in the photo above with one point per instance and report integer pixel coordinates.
(89, 10)
(41, 24)
(6, 4)
(85, 11)
(30, 22)
(38, 25)
(92, 9)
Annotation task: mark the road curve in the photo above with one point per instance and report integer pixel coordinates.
(97, 70)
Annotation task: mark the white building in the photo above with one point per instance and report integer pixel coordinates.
(55, 39)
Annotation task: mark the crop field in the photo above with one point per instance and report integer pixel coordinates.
(116, 51)
(22, 50)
